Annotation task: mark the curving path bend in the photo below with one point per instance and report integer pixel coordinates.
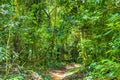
(61, 74)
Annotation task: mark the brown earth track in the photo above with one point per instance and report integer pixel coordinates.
(61, 74)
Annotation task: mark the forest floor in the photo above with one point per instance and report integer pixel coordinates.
(61, 74)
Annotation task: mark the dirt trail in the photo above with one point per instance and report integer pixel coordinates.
(61, 74)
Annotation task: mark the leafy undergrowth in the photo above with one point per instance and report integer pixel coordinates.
(55, 65)
(17, 72)
(103, 70)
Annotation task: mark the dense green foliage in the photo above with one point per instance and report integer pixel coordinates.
(44, 33)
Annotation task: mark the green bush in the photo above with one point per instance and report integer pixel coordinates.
(105, 69)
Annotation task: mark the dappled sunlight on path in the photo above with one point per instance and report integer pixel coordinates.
(61, 74)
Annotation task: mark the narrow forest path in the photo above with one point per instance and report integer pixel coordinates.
(61, 74)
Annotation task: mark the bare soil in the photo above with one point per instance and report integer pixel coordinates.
(61, 74)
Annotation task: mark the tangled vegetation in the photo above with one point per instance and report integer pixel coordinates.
(37, 35)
